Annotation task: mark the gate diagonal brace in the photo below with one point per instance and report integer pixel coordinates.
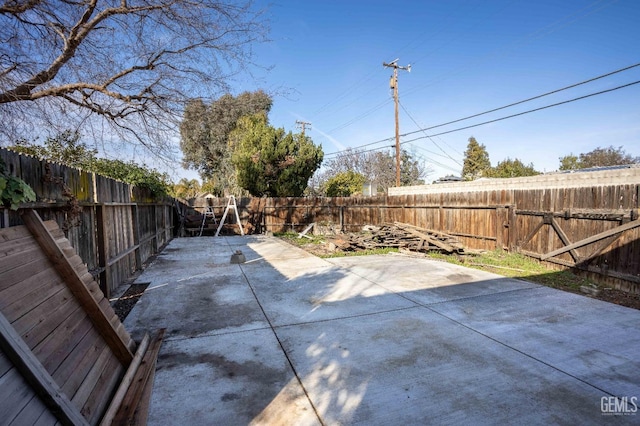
(592, 239)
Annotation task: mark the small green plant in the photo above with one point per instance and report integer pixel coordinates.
(13, 190)
(517, 266)
(369, 252)
(294, 238)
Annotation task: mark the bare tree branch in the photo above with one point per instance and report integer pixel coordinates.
(132, 65)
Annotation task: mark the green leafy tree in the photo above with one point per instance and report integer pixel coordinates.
(512, 168)
(599, 157)
(569, 162)
(205, 131)
(476, 160)
(344, 184)
(271, 162)
(186, 188)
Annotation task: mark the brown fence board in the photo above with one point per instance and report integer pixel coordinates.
(61, 342)
(39, 321)
(35, 412)
(22, 299)
(101, 393)
(69, 374)
(15, 395)
(511, 219)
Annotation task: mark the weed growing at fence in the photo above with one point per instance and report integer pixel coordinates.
(369, 252)
(517, 266)
(292, 237)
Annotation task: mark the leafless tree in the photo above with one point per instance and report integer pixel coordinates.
(376, 166)
(131, 64)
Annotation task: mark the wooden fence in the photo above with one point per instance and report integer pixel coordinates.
(593, 229)
(65, 357)
(113, 226)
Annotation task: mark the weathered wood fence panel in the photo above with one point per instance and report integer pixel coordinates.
(548, 220)
(43, 310)
(113, 226)
(533, 221)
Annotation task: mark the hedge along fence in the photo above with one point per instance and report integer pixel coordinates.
(115, 227)
(593, 228)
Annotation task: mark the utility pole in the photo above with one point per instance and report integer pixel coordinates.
(302, 125)
(394, 85)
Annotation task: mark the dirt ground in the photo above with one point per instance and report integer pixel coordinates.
(620, 298)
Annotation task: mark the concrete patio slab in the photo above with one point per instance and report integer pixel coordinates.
(591, 340)
(235, 378)
(288, 338)
(418, 367)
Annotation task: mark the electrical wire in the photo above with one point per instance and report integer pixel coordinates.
(437, 163)
(434, 142)
(510, 105)
(520, 113)
(528, 99)
(361, 116)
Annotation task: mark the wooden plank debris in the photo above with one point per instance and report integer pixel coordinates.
(399, 235)
(63, 349)
(134, 407)
(307, 229)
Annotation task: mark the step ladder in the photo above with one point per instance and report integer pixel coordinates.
(231, 204)
(208, 212)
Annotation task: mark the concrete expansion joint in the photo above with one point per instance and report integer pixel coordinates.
(347, 317)
(214, 334)
(479, 296)
(521, 352)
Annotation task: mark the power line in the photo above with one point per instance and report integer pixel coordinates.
(345, 94)
(431, 160)
(361, 116)
(527, 100)
(520, 113)
(434, 142)
(548, 29)
(507, 106)
(362, 146)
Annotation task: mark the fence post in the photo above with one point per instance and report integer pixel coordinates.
(101, 241)
(136, 235)
(512, 228)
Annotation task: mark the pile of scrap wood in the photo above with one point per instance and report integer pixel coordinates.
(400, 235)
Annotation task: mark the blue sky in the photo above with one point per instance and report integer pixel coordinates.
(467, 57)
